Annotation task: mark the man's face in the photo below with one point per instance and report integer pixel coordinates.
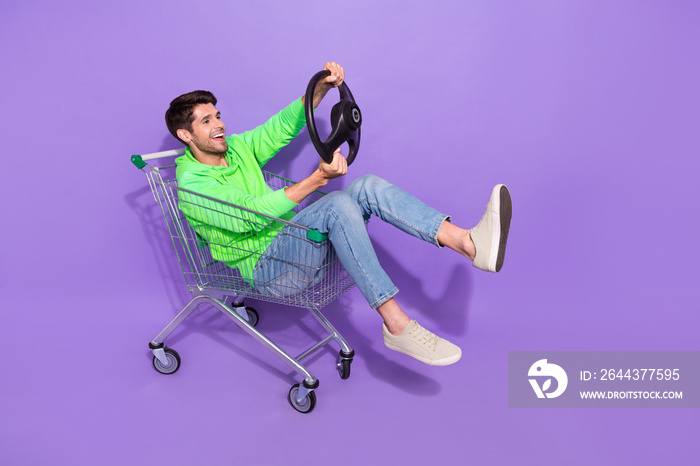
(208, 131)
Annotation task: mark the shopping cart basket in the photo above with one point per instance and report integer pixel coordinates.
(201, 229)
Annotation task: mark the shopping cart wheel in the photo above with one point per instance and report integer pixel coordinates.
(173, 362)
(307, 404)
(344, 368)
(344, 361)
(253, 316)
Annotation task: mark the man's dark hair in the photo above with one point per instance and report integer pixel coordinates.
(179, 115)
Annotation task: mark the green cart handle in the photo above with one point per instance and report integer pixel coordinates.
(138, 162)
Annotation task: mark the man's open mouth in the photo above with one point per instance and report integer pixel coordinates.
(218, 136)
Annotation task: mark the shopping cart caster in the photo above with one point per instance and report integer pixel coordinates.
(344, 361)
(172, 359)
(253, 316)
(307, 403)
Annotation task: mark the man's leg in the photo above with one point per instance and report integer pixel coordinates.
(340, 216)
(397, 207)
(485, 244)
(292, 263)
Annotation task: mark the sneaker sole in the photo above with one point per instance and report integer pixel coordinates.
(430, 362)
(505, 215)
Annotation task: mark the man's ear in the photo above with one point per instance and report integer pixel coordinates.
(184, 135)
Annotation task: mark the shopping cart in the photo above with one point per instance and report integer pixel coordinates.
(191, 216)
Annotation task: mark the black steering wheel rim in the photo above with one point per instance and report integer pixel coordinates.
(346, 120)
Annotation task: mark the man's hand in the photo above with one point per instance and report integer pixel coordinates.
(335, 79)
(319, 178)
(326, 84)
(337, 167)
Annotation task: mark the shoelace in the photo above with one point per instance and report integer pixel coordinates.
(429, 337)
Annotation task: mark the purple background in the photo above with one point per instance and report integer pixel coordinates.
(588, 110)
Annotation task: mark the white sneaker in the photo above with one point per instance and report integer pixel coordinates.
(420, 344)
(491, 234)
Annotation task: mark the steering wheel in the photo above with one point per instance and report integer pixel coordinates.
(345, 121)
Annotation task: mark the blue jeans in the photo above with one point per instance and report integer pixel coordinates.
(340, 215)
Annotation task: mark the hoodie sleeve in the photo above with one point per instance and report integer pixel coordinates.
(266, 140)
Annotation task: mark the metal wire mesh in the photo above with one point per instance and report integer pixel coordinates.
(213, 239)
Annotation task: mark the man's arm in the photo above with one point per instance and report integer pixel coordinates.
(323, 174)
(265, 141)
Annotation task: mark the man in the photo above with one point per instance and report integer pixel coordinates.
(229, 168)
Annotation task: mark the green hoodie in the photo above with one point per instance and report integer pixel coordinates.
(238, 242)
